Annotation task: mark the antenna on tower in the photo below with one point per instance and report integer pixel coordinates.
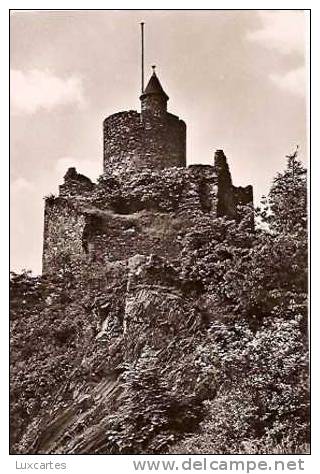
(142, 57)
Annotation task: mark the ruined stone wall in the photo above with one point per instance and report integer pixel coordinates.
(180, 190)
(76, 235)
(62, 238)
(76, 230)
(243, 195)
(75, 184)
(201, 190)
(131, 144)
(116, 237)
(226, 202)
(150, 212)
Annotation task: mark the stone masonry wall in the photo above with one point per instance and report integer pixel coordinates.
(114, 237)
(243, 195)
(75, 184)
(62, 239)
(226, 202)
(131, 144)
(153, 106)
(149, 212)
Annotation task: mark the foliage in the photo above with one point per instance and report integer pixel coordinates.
(223, 369)
(258, 343)
(263, 387)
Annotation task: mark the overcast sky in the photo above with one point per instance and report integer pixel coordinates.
(237, 78)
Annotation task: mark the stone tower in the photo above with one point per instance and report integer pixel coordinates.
(152, 139)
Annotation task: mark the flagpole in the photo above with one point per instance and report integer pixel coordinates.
(142, 57)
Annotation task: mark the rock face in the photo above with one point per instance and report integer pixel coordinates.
(143, 310)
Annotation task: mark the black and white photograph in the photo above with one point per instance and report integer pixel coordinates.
(159, 234)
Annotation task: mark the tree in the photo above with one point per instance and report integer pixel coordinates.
(285, 210)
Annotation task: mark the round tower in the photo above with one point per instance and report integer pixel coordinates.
(152, 139)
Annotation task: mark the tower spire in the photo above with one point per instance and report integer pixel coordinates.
(154, 87)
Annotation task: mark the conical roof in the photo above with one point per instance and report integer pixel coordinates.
(154, 87)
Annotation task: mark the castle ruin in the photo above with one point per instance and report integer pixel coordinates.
(146, 199)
